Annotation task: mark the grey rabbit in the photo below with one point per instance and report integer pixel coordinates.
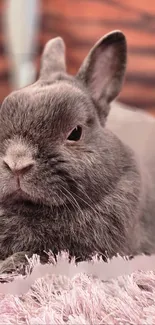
(67, 182)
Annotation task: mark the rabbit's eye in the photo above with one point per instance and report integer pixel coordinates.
(75, 135)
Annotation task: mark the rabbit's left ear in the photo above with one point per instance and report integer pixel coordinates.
(103, 69)
(53, 58)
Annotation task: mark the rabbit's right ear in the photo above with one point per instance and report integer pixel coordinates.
(53, 58)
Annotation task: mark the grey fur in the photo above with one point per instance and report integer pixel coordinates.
(90, 196)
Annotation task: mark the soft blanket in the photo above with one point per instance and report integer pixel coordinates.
(67, 294)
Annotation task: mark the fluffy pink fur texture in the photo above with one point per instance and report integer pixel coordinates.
(66, 294)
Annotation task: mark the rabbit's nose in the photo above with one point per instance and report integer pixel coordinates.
(18, 168)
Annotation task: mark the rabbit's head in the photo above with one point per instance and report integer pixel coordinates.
(54, 146)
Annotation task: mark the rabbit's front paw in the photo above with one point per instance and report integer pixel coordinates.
(15, 262)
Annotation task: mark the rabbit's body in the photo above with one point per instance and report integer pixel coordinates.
(60, 189)
(136, 129)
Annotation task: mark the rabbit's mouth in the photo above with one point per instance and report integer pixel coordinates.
(15, 189)
(17, 195)
(24, 191)
(21, 188)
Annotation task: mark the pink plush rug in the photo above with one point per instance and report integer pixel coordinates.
(65, 294)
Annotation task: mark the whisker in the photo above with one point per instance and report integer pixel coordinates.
(64, 202)
(98, 214)
(74, 200)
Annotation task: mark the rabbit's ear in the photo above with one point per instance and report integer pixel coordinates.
(103, 69)
(53, 58)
